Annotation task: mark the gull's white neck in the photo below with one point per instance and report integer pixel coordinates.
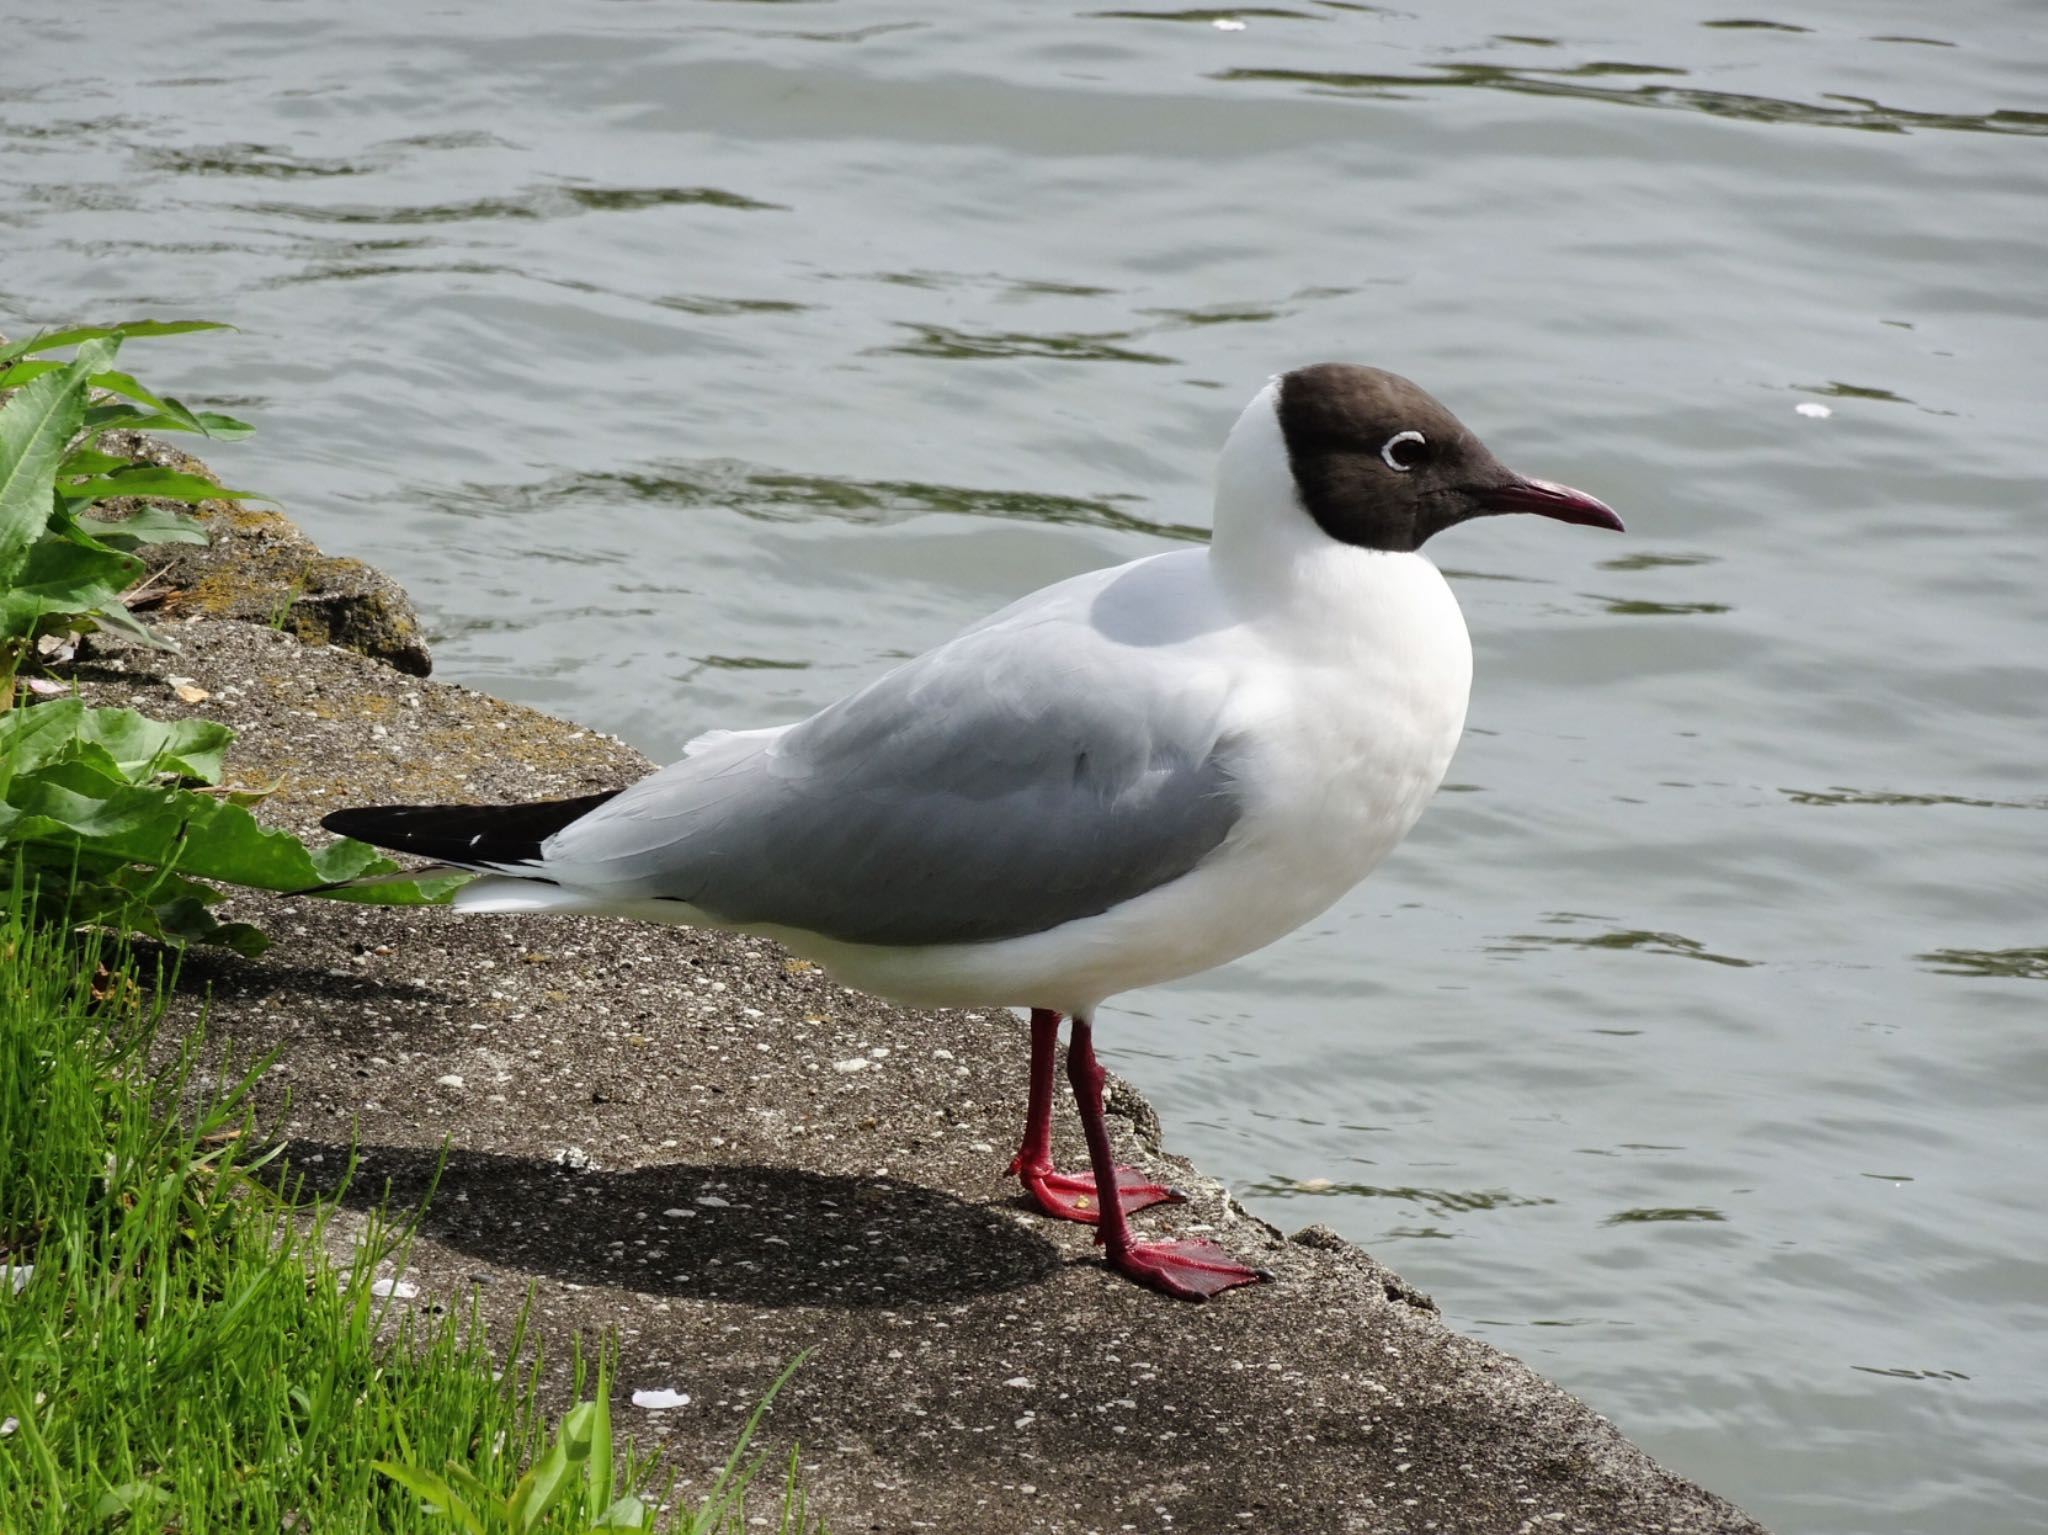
(1276, 566)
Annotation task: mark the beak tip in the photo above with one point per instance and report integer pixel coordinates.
(1547, 498)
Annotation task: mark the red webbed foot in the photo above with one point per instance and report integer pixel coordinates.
(1187, 1268)
(1074, 1198)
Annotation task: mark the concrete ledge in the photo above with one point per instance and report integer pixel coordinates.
(261, 569)
(712, 1148)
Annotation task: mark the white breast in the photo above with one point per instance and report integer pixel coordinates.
(1361, 728)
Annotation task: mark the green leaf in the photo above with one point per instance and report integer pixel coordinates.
(31, 737)
(629, 1513)
(128, 1498)
(115, 616)
(158, 484)
(433, 1491)
(149, 525)
(36, 427)
(72, 804)
(434, 890)
(132, 745)
(22, 372)
(108, 418)
(553, 1475)
(90, 461)
(126, 385)
(598, 1469)
(185, 919)
(469, 1482)
(224, 428)
(60, 577)
(51, 340)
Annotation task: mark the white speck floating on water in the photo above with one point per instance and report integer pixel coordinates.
(1227, 24)
(661, 1399)
(1813, 408)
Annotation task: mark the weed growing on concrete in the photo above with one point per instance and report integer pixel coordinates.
(62, 571)
(110, 816)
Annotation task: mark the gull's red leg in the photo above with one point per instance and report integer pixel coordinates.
(1190, 1268)
(1075, 1199)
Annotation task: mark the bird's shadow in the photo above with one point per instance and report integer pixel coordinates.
(749, 1235)
(225, 977)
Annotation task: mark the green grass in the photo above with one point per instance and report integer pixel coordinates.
(185, 1356)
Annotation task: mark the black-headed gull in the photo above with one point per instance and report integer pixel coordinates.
(1130, 776)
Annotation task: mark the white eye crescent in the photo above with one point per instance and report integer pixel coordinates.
(1394, 458)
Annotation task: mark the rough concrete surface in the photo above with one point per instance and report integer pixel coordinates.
(716, 1151)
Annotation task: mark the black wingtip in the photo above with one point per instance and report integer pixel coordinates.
(466, 835)
(358, 822)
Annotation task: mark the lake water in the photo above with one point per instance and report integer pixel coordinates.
(689, 362)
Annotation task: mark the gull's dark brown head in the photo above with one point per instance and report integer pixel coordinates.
(1380, 464)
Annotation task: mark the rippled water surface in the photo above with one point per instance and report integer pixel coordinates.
(689, 362)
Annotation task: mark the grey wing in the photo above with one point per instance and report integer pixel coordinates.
(980, 792)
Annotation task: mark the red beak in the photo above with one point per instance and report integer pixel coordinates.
(1548, 499)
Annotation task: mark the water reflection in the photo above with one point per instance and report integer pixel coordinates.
(1637, 607)
(1744, 24)
(541, 203)
(1836, 389)
(1905, 1374)
(1664, 1213)
(1879, 797)
(2005, 964)
(772, 495)
(1674, 944)
(247, 160)
(945, 341)
(1210, 18)
(1437, 1201)
(725, 308)
(1648, 561)
(1853, 111)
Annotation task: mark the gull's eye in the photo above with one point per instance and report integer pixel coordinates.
(1403, 451)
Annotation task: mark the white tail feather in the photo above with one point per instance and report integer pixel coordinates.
(501, 892)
